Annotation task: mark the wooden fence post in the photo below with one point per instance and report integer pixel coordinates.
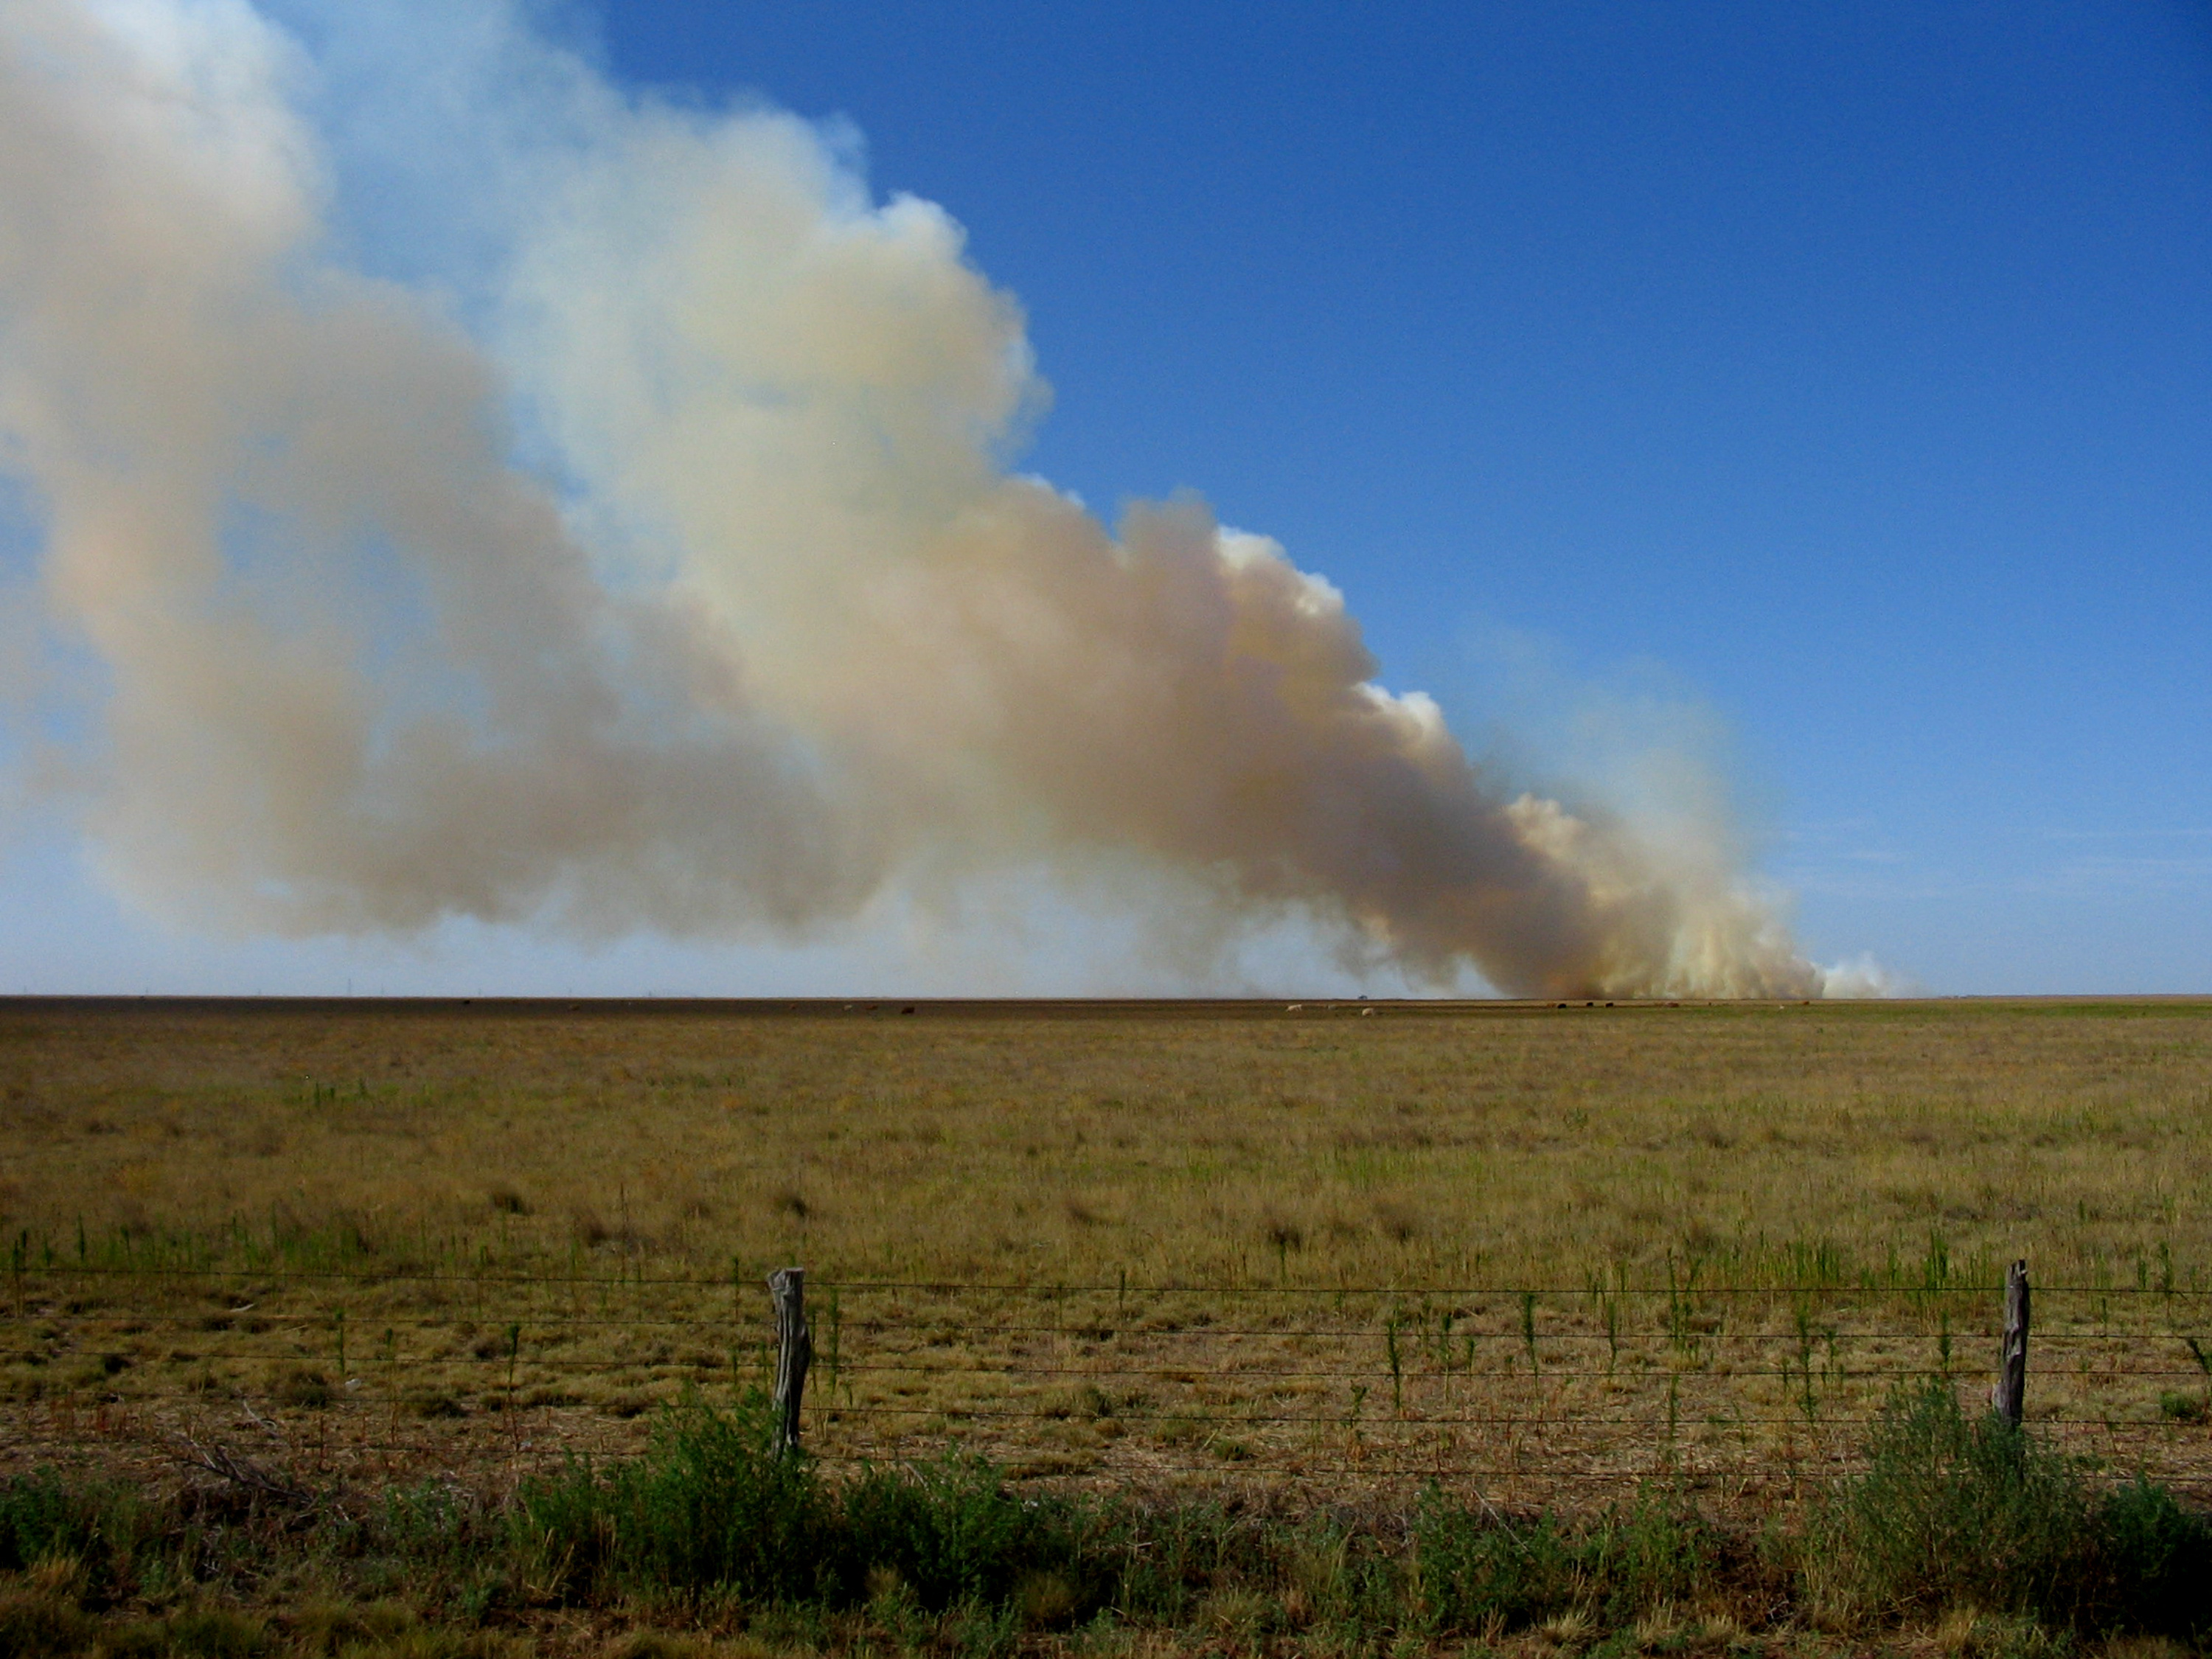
(2009, 1397)
(794, 1352)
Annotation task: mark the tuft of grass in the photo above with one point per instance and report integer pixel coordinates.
(45, 1519)
(38, 1624)
(505, 1199)
(216, 1633)
(2183, 1407)
(306, 1387)
(1480, 1572)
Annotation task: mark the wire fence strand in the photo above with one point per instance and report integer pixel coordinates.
(1534, 1385)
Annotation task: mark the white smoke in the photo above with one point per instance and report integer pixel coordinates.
(767, 629)
(1861, 976)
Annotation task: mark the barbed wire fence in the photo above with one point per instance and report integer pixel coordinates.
(1528, 1395)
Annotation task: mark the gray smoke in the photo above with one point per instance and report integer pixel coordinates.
(765, 628)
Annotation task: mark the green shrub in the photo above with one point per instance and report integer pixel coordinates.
(950, 1532)
(2157, 1562)
(1476, 1570)
(40, 1516)
(1954, 1510)
(1660, 1551)
(708, 1504)
(44, 1517)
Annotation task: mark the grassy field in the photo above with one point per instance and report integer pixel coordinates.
(1221, 1144)
(1538, 1254)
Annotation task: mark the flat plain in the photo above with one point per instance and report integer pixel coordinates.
(1520, 1246)
(1210, 1143)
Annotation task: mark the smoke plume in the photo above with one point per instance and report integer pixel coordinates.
(653, 561)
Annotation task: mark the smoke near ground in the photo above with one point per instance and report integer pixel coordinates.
(649, 557)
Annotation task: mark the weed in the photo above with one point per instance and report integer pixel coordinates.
(2157, 1559)
(44, 1518)
(1478, 1570)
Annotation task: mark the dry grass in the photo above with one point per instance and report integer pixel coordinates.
(1628, 1159)
(1061, 1143)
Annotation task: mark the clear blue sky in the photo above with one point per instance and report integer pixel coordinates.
(1845, 369)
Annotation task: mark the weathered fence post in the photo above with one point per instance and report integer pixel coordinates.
(2009, 1397)
(794, 1352)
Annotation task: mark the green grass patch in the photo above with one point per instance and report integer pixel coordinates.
(1956, 1519)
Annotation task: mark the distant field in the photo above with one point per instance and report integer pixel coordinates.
(1245, 1142)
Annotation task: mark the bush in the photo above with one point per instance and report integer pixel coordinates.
(1954, 1510)
(1476, 1572)
(2157, 1561)
(1658, 1553)
(1958, 1511)
(709, 1504)
(950, 1532)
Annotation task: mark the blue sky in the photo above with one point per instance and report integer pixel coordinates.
(1841, 375)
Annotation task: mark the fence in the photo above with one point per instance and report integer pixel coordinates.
(1524, 1395)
